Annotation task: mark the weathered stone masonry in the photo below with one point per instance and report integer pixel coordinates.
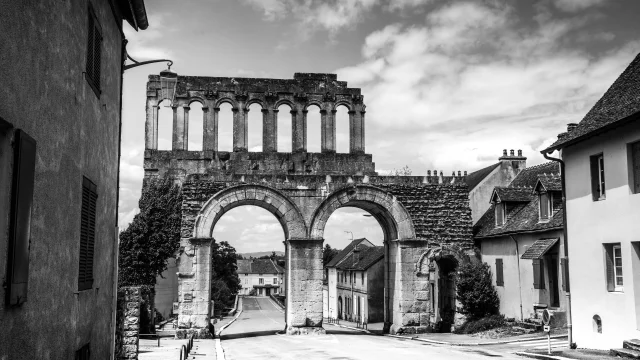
(420, 215)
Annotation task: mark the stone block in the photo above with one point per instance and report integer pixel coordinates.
(411, 319)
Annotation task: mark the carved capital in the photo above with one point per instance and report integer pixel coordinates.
(357, 99)
(242, 96)
(329, 97)
(270, 96)
(210, 94)
(300, 96)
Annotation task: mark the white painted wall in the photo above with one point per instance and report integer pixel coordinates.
(249, 280)
(592, 223)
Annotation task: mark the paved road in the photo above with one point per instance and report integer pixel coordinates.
(257, 334)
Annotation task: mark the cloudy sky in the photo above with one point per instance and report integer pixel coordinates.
(448, 84)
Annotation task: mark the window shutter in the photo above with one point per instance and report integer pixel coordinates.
(87, 234)
(20, 220)
(594, 178)
(499, 273)
(601, 169)
(635, 156)
(563, 268)
(94, 52)
(97, 53)
(544, 206)
(609, 265)
(538, 275)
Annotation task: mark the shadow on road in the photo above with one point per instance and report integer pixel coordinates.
(271, 332)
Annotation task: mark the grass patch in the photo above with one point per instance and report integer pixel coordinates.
(483, 324)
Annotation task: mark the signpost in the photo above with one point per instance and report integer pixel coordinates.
(546, 319)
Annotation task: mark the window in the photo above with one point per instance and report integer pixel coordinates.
(499, 214)
(634, 164)
(615, 280)
(261, 281)
(87, 234)
(275, 280)
(499, 273)
(94, 52)
(362, 278)
(538, 274)
(21, 200)
(545, 208)
(597, 177)
(246, 281)
(84, 353)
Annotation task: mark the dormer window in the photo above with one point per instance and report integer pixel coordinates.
(545, 209)
(500, 215)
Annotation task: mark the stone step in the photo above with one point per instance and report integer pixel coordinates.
(633, 344)
(625, 353)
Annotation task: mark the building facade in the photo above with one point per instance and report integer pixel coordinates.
(520, 237)
(602, 176)
(262, 275)
(61, 69)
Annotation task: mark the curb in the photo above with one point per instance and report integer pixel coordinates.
(229, 323)
(541, 356)
(474, 344)
(352, 328)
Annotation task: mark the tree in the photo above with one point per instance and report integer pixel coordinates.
(225, 282)
(328, 253)
(152, 237)
(475, 291)
(405, 171)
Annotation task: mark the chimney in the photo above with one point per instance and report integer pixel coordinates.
(571, 127)
(512, 164)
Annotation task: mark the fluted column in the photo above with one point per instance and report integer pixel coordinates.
(185, 131)
(240, 136)
(178, 120)
(269, 130)
(356, 132)
(298, 143)
(151, 126)
(328, 135)
(210, 129)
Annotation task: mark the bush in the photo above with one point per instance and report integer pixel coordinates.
(475, 291)
(487, 323)
(253, 292)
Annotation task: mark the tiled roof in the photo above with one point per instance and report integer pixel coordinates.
(550, 182)
(621, 101)
(258, 266)
(363, 259)
(477, 176)
(522, 216)
(344, 252)
(512, 194)
(539, 248)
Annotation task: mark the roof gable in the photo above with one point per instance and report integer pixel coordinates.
(476, 177)
(347, 250)
(362, 259)
(548, 182)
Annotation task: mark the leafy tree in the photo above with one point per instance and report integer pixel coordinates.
(405, 171)
(475, 291)
(152, 237)
(239, 257)
(328, 253)
(225, 282)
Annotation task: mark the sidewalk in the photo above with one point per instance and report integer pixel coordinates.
(468, 340)
(204, 349)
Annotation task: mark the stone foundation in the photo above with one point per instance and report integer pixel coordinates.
(206, 333)
(306, 330)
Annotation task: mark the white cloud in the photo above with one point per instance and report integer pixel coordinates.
(577, 5)
(144, 45)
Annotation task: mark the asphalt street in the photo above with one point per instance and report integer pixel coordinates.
(257, 334)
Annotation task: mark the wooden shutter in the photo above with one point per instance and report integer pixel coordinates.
(594, 178)
(24, 163)
(635, 158)
(609, 265)
(601, 169)
(87, 234)
(94, 51)
(564, 269)
(544, 206)
(499, 214)
(538, 274)
(499, 273)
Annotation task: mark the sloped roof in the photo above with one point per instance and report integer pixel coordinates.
(523, 216)
(362, 259)
(512, 194)
(344, 252)
(539, 248)
(550, 182)
(619, 104)
(474, 178)
(259, 266)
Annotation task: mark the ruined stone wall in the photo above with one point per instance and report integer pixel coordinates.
(128, 322)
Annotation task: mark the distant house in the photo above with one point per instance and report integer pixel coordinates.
(263, 275)
(355, 283)
(520, 237)
(602, 176)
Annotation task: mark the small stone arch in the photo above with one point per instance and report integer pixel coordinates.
(344, 103)
(288, 102)
(196, 99)
(429, 257)
(285, 211)
(227, 100)
(392, 216)
(313, 102)
(254, 101)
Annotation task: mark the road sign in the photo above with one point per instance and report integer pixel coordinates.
(546, 328)
(546, 316)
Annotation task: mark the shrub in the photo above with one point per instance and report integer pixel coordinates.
(487, 323)
(475, 291)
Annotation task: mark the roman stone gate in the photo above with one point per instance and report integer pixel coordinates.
(421, 216)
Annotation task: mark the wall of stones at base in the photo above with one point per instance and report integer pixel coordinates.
(128, 322)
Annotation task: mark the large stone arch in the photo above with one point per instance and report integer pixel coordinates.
(270, 199)
(392, 216)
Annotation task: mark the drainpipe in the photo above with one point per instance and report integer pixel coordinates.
(566, 245)
(519, 283)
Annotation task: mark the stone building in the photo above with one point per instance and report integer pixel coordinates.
(61, 69)
(601, 158)
(520, 237)
(262, 275)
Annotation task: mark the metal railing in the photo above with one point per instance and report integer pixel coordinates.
(332, 320)
(186, 349)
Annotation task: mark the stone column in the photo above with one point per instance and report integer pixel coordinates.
(179, 127)
(185, 136)
(194, 289)
(304, 286)
(356, 131)
(151, 126)
(269, 130)
(210, 130)
(328, 135)
(240, 136)
(298, 131)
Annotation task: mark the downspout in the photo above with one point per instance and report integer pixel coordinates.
(565, 244)
(519, 282)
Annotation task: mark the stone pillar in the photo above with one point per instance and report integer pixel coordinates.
(128, 322)
(269, 130)
(304, 286)
(298, 131)
(179, 127)
(194, 289)
(185, 136)
(210, 130)
(240, 135)
(356, 132)
(328, 135)
(151, 126)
